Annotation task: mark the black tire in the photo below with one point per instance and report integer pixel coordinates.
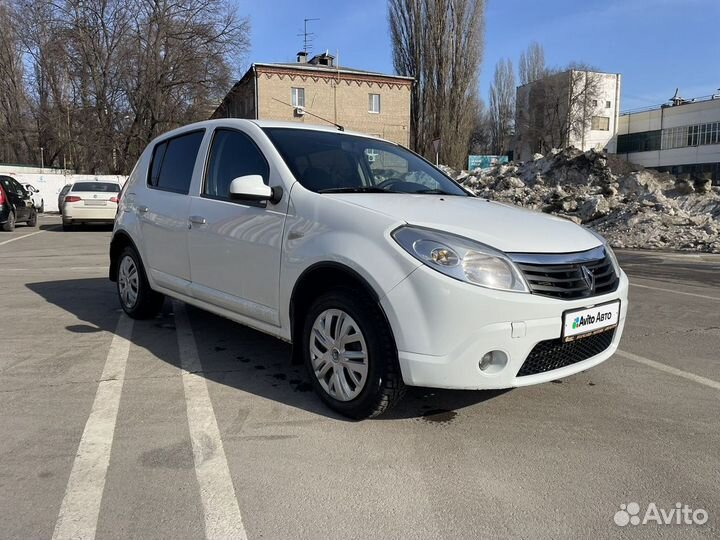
(384, 386)
(9, 225)
(148, 303)
(41, 210)
(32, 222)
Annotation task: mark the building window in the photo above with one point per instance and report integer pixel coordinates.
(594, 102)
(643, 141)
(298, 97)
(374, 103)
(697, 135)
(600, 123)
(608, 104)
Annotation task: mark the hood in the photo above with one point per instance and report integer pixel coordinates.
(504, 227)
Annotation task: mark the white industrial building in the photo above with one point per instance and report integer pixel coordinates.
(682, 137)
(573, 108)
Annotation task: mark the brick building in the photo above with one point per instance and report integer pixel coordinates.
(318, 91)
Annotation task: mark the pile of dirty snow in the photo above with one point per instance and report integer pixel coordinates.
(630, 206)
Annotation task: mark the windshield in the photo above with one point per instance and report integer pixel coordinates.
(327, 162)
(107, 187)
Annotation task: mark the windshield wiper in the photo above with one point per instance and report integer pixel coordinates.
(356, 189)
(433, 192)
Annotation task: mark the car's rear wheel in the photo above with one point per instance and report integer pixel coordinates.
(32, 222)
(350, 355)
(137, 299)
(9, 225)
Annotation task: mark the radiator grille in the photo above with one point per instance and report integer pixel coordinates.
(569, 280)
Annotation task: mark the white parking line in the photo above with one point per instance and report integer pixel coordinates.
(80, 507)
(220, 506)
(23, 236)
(67, 268)
(669, 369)
(675, 292)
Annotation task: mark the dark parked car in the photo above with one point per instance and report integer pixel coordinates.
(15, 205)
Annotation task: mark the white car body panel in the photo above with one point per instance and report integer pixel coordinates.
(325, 229)
(501, 226)
(244, 261)
(234, 253)
(441, 347)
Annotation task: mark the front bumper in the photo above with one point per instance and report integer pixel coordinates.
(443, 327)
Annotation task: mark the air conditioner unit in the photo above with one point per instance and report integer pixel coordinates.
(299, 111)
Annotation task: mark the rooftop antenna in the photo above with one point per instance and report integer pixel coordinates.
(677, 99)
(307, 36)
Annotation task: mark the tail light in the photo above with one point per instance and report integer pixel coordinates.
(114, 199)
(2, 196)
(72, 198)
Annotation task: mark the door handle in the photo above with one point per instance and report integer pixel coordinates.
(198, 220)
(143, 209)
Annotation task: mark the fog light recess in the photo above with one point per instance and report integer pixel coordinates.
(493, 361)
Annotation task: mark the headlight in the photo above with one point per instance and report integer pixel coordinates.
(608, 250)
(461, 258)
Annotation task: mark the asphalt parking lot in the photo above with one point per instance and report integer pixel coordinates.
(103, 433)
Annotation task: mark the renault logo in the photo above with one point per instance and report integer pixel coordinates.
(588, 277)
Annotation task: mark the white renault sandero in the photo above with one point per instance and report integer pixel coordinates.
(378, 268)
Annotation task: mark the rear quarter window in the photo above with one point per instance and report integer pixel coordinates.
(7, 184)
(173, 162)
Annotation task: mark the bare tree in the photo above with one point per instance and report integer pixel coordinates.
(569, 98)
(106, 76)
(481, 134)
(439, 43)
(15, 126)
(557, 110)
(531, 66)
(502, 106)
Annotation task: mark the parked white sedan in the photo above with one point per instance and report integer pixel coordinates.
(90, 202)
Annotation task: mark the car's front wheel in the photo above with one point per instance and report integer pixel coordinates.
(350, 355)
(137, 299)
(32, 222)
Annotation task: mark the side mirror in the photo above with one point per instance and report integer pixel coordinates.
(252, 188)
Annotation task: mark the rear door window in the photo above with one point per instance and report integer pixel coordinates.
(173, 162)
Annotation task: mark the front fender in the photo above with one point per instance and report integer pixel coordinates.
(322, 229)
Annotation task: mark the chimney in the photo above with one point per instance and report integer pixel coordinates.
(324, 59)
(302, 57)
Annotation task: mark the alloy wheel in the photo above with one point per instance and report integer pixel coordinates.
(338, 353)
(128, 282)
